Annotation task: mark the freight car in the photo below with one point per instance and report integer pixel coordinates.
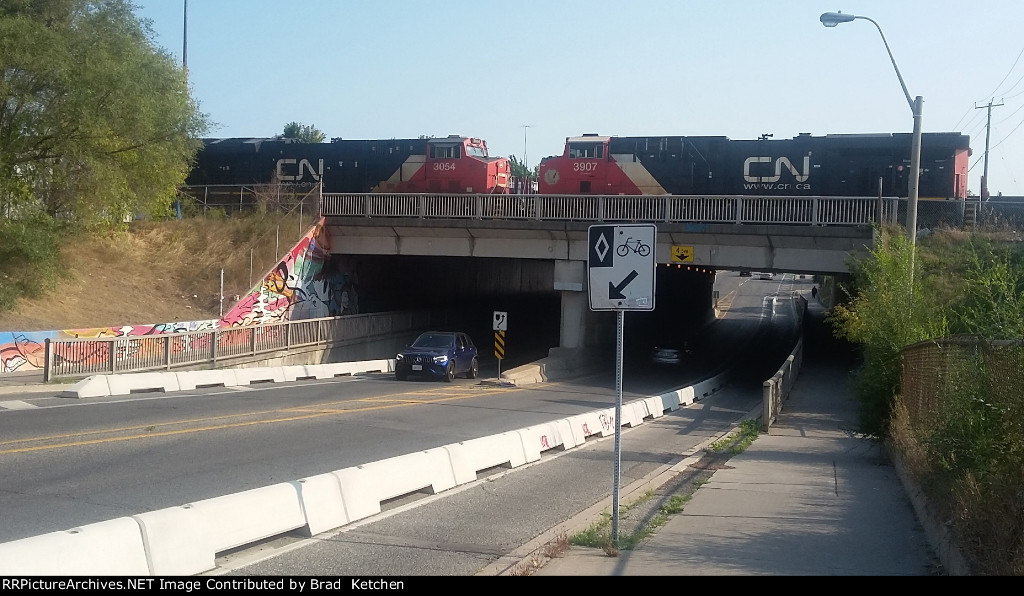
(453, 164)
(831, 165)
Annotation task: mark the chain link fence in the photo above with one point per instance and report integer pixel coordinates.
(937, 370)
(228, 199)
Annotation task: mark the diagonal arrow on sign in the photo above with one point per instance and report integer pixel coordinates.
(615, 291)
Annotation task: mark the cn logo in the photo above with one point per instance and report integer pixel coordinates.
(779, 163)
(287, 165)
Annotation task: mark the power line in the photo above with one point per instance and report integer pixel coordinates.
(993, 94)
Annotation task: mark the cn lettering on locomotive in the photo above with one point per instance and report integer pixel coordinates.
(853, 165)
(453, 164)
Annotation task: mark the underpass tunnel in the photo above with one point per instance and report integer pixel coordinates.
(473, 288)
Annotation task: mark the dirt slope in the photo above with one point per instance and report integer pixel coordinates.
(159, 272)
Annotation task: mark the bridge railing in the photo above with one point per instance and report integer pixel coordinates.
(81, 357)
(735, 209)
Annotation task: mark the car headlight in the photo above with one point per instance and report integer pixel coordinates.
(400, 357)
(441, 359)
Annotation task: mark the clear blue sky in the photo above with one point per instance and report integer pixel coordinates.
(370, 69)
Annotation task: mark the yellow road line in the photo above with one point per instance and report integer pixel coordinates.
(318, 412)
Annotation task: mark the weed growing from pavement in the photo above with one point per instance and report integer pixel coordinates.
(735, 443)
(598, 535)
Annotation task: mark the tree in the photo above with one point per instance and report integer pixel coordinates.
(519, 169)
(307, 133)
(96, 122)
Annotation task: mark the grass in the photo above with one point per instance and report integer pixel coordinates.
(599, 534)
(642, 517)
(155, 272)
(736, 442)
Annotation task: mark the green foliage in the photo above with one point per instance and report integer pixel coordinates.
(599, 533)
(970, 425)
(29, 257)
(992, 303)
(737, 442)
(306, 133)
(97, 123)
(886, 311)
(968, 285)
(519, 169)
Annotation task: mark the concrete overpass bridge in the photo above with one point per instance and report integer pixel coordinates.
(500, 250)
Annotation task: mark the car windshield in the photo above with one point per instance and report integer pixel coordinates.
(434, 340)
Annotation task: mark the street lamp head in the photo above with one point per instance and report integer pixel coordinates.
(831, 19)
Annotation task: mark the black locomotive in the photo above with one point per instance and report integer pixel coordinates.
(453, 164)
(831, 165)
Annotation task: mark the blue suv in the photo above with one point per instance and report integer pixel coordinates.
(438, 354)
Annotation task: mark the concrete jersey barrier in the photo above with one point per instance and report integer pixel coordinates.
(185, 540)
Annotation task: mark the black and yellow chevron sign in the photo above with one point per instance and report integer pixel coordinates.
(499, 345)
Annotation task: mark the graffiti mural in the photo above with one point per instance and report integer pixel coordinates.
(23, 351)
(295, 289)
(305, 284)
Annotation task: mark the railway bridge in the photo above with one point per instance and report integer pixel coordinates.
(505, 250)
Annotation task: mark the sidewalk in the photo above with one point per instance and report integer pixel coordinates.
(811, 497)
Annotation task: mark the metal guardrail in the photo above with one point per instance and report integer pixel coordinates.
(114, 355)
(733, 209)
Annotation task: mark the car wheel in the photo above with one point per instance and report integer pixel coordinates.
(449, 372)
(474, 369)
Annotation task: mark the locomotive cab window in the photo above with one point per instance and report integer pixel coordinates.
(445, 151)
(584, 150)
(473, 151)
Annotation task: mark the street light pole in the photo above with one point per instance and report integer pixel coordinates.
(831, 19)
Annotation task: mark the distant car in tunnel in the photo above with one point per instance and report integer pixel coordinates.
(763, 275)
(438, 354)
(670, 356)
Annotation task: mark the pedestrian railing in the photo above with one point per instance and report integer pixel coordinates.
(80, 357)
(661, 208)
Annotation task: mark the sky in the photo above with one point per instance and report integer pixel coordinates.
(525, 75)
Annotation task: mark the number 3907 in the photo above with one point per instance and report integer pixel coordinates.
(584, 166)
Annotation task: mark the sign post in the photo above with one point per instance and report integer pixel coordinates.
(621, 272)
(500, 327)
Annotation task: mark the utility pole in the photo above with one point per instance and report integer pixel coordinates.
(525, 162)
(988, 133)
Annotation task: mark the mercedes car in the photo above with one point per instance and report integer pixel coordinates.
(438, 355)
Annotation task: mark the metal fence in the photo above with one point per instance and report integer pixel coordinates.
(213, 348)
(250, 198)
(935, 369)
(648, 208)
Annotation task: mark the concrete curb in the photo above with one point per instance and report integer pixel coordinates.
(938, 532)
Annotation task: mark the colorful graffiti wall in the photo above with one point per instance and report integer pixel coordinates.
(305, 284)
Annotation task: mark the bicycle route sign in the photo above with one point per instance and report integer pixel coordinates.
(621, 266)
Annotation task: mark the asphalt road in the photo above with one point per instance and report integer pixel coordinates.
(68, 462)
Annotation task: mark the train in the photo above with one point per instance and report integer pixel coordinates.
(452, 164)
(806, 165)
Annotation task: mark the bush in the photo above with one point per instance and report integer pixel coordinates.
(30, 259)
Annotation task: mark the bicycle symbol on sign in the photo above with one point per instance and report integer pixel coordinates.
(636, 246)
